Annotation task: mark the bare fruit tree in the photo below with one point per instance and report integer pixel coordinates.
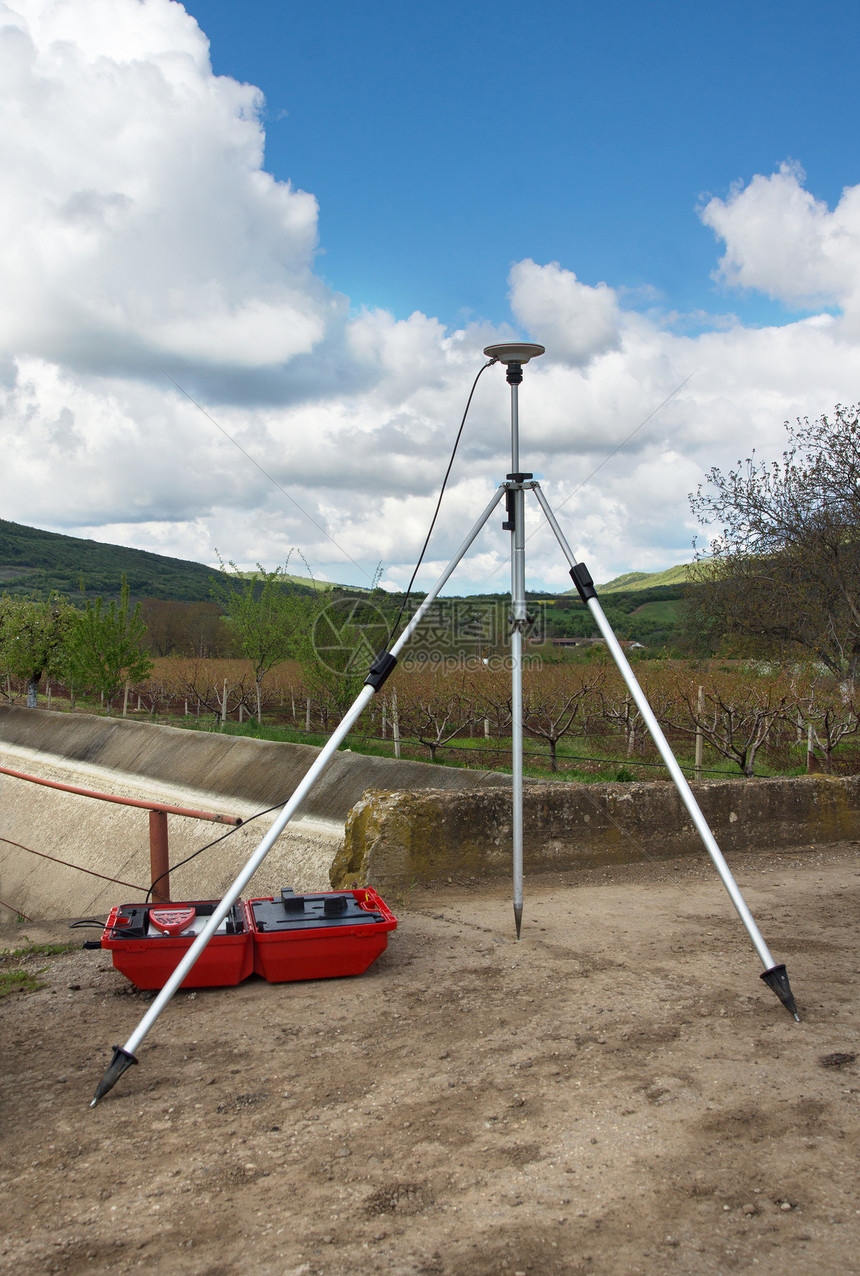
(556, 703)
(736, 714)
(438, 708)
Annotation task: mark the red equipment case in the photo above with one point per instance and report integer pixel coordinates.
(320, 936)
(148, 956)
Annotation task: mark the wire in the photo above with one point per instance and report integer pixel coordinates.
(633, 840)
(527, 753)
(605, 461)
(208, 845)
(567, 757)
(396, 624)
(214, 842)
(267, 475)
(66, 864)
(624, 442)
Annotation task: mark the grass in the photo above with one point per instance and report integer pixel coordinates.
(597, 758)
(20, 981)
(665, 613)
(22, 978)
(581, 760)
(678, 575)
(36, 950)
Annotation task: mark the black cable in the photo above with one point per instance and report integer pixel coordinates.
(396, 624)
(214, 842)
(567, 757)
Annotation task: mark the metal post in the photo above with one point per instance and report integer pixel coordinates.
(514, 377)
(518, 624)
(514, 355)
(395, 725)
(159, 857)
(516, 521)
(700, 739)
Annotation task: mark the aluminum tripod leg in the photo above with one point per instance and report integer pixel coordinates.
(773, 975)
(123, 1056)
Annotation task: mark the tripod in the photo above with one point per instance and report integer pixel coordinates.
(517, 483)
(513, 356)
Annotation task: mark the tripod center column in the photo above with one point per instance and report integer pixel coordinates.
(514, 378)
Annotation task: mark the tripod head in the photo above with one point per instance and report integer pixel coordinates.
(514, 354)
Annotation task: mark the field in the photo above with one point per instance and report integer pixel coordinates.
(580, 721)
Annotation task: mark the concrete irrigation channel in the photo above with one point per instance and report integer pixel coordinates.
(371, 820)
(202, 770)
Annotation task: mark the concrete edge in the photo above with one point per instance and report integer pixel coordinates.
(399, 839)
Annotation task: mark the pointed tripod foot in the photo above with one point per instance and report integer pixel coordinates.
(518, 917)
(117, 1066)
(777, 980)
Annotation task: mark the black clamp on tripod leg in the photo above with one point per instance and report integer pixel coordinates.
(380, 670)
(581, 577)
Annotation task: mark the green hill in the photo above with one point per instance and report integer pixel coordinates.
(310, 582)
(33, 560)
(643, 605)
(634, 581)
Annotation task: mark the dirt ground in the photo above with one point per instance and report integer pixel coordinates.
(617, 1093)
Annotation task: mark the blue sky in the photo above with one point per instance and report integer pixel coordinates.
(312, 219)
(445, 142)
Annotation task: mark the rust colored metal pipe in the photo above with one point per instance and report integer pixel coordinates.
(159, 849)
(159, 857)
(110, 797)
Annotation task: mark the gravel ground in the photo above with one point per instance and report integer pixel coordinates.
(617, 1093)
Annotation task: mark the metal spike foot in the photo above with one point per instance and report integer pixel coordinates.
(117, 1066)
(518, 918)
(777, 980)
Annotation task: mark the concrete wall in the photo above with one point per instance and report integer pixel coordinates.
(80, 833)
(256, 771)
(395, 839)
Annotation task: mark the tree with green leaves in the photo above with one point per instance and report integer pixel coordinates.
(783, 570)
(33, 637)
(269, 614)
(104, 650)
(336, 650)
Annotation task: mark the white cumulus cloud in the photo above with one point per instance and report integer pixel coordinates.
(140, 234)
(782, 241)
(577, 321)
(136, 222)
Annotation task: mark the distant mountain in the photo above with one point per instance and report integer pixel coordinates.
(33, 560)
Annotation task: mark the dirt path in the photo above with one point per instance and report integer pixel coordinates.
(619, 1093)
